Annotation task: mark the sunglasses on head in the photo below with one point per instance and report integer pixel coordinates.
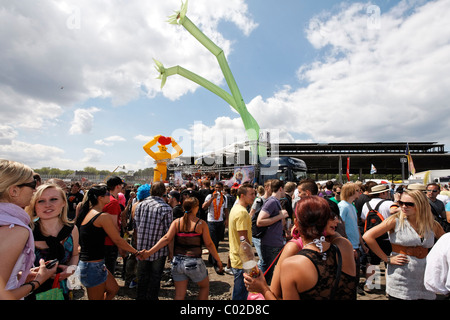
(406, 204)
(31, 185)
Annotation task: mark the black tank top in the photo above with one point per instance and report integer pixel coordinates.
(326, 269)
(188, 243)
(92, 241)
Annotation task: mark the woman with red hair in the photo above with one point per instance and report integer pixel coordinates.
(322, 270)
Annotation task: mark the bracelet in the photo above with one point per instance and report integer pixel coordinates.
(39, 284)
(33, 287)
(388, 260)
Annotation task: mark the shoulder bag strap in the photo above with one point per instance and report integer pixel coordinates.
(56, 281)
(274, 260)
(377, 207)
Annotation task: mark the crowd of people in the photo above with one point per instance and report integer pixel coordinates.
(311, 241)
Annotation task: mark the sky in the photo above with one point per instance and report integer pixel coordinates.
(79, 88)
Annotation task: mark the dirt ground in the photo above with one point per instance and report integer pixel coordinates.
(220, 286)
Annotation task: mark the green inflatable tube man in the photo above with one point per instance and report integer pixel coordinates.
(234, 99)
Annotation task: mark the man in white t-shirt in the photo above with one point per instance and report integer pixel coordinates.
(437, 273)
(379, 193)
(217, 216)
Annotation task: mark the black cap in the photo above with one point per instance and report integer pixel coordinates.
(175, 194)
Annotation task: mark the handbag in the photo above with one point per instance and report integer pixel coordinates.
(56, 293)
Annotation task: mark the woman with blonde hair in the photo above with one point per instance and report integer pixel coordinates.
(412, 232)
(17, 278)
(54, 236)
(189, 233)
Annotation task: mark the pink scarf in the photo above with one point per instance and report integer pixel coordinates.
(11, 215)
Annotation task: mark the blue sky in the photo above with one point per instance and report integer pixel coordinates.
(78, 85)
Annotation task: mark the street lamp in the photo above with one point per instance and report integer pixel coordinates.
(403, 161)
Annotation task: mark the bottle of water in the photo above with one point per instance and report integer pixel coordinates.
(249, 263)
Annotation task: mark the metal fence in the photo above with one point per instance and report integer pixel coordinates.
(130, 180)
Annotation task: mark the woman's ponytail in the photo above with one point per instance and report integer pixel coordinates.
(188, 205)
(90, 199)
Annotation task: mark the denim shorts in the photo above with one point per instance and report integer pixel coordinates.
(92, 273)
(185, 268)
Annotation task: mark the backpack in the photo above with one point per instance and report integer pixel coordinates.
(258, 232)
(374, 218)
(444, 224)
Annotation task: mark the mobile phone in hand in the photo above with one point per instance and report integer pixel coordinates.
(50, 264)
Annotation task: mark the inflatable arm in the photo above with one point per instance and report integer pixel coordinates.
(177, 148)
(147, 147)
(235, 99)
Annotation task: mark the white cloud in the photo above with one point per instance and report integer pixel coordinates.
(7, 134)
(109, 141)
(202, 138)
(23, 111)
(39, 156)
(370, 84)
(35, 155)
(101, 49)
(144, 138)
(367, 84)
(59, 54)
(83, 121)
(92, 155)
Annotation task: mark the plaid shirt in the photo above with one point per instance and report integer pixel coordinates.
(153, 217)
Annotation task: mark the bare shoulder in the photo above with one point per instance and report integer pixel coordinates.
(343, 243)
(13, 233)
(295, 262)
(14, 238)
(298, 271)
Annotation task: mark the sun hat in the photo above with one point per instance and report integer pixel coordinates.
(379, 188)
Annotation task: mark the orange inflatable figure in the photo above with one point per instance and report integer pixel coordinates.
(161, 157)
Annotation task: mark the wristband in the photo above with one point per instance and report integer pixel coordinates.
(39, 284)
(33, 287)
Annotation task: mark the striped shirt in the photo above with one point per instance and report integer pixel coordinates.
(153, 217)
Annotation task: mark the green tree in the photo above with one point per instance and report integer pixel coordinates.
(91, 170)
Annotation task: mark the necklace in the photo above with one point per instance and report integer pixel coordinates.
(318, 243)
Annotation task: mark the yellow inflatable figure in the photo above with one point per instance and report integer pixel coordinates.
(161, 157)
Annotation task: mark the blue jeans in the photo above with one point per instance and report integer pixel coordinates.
(149, 275)
(257, 244)
(185, 268)
(239, 290)
(269, 254)
(92, 273)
